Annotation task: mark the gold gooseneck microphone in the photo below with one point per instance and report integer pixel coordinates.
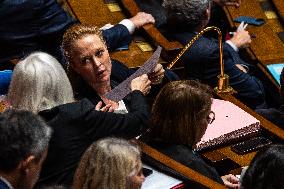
(223, 79)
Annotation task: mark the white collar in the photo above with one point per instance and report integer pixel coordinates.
(6, 182)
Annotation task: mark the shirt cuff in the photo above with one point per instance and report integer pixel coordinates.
(232, 45)
(128, 24)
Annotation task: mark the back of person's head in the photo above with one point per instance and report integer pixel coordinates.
(38, 83)
(186, 13)
(76, 32)
(266, 171)
(109, 163)
(23, 143)
(180, 112)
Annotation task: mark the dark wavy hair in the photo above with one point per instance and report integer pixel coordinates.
(266, 170)
(178, 110)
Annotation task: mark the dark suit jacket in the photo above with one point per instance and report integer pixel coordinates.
(77, 125)
(276, 116)
(184, 155)
(3, 185)
(29, 25)
(202, 62)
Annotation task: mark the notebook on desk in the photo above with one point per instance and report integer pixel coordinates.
(231, 124)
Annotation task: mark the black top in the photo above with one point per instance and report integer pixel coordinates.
(184, 155)
(276, 116)
(77, 125)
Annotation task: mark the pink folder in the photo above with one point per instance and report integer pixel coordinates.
(231, 124)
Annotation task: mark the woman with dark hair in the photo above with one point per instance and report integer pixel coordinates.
(175, 134)
(110, 163)
(266, 170)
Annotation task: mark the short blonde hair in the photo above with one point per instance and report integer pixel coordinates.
(38, 83)
(108, 163)
(76, 32)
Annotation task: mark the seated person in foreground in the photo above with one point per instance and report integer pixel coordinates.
(188, 17)
(175, 134)
(93, 74)
(40, 85)
(24, 139)
(276, 116)
(266, 170)
(110, 163)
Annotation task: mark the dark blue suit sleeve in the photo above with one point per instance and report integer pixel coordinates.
(116, 37)
(202, 62)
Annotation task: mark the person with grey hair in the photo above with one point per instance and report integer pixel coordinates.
(24, 139)
(39, 84)
(187, 18)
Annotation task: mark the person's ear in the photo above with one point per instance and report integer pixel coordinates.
(26, 165)
(207, 13)
(202, 125)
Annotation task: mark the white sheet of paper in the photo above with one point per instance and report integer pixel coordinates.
(158, 180)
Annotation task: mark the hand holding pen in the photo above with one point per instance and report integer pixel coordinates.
(241, 38)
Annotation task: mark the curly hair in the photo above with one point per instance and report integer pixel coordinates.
(190, 101)
(108, 163)
(76, 32)
(186, 13)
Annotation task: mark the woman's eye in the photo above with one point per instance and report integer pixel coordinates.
(86, 60)
(99, 53)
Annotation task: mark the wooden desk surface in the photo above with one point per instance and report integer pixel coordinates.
(267, 46)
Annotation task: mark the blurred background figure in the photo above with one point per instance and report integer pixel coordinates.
(266, 170)
(24, 139)
(274, 115)
(27, 26)
(110, 163)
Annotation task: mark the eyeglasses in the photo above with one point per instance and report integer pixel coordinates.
(211, 117)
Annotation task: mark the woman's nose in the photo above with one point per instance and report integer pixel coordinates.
(96, 62)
